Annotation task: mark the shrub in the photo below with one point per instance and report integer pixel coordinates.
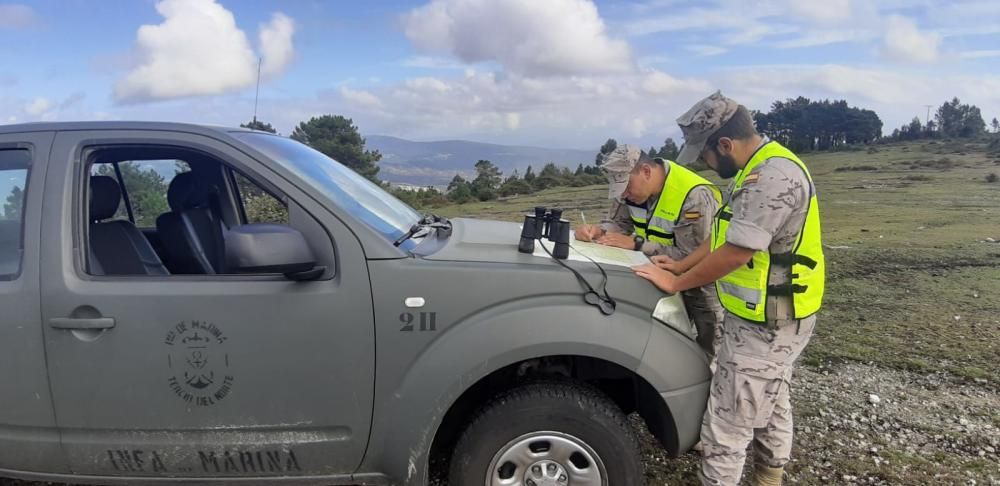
(856, 168)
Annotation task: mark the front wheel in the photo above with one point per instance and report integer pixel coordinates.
(548, 434)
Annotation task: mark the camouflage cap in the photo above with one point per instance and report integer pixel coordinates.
(617, 166)
(701, 121)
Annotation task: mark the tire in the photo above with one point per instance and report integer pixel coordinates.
(551, 433)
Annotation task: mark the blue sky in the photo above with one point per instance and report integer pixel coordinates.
(567, 73)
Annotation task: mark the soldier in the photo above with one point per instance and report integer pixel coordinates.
(661, 208)
(766, 258)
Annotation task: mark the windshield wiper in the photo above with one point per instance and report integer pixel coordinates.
(430, 222)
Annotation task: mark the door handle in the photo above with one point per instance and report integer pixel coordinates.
(82, 322)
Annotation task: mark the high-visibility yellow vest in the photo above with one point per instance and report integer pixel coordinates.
(744, 292)
(660, 226)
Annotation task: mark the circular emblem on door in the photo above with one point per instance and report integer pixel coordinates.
(198, 363)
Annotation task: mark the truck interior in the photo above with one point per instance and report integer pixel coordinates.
(164, 211)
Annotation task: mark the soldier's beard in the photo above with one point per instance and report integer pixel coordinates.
(725, 165)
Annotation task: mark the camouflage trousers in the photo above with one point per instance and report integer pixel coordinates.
(749, 399)
(706, 312)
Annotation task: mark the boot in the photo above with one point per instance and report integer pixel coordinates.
(767, 476)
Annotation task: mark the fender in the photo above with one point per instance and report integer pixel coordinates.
(531, 327)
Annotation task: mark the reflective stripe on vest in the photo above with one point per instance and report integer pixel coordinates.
(679, 184)
(744, 292)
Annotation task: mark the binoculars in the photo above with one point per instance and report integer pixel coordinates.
(545, 223)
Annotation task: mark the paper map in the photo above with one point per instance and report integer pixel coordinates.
(602, 254)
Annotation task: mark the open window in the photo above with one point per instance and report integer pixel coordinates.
(162, 211)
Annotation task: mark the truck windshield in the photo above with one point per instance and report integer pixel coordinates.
(360, 197)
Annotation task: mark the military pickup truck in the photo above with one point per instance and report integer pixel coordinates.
(157, 325)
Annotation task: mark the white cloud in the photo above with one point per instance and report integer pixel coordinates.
(103, 116)
(727, 22)
(968, 30)
(822, 11)
(905, 42)
(965, 10)
(687, 20)
(815, 38)
(513, 121)
(582, 111)
(199, 50)
(428, 85)
(660, 83)
(360, 97)
(785, 23)
(526, 37)
(38, 106)
(509, 108)
(275, 44)
(72, 100)
(655, 60)
(979, 54)
(638, 128)
(895, 94)
(428, 62)
(706, 50)
(17, 16)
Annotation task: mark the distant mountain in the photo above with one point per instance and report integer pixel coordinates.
(435, 163)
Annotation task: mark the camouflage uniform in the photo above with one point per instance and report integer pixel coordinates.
(702, 303)
(749, 398)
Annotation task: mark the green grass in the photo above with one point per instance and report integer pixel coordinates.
(907, 254)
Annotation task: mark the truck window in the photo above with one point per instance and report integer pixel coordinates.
(259, 206)
(145, 183)
(14, 166)
(159, 211)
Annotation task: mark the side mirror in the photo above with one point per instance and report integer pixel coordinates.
(270, 248)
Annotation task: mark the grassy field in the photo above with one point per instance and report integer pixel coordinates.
(912, 306)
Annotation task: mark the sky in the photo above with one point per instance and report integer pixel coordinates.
(555, 73)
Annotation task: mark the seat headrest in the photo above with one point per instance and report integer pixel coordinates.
(105, 196)
(186, 192)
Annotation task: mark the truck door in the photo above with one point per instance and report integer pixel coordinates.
(156, 373)
(29, 440)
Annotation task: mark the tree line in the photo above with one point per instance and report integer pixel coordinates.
(805, 125)
(953, 119)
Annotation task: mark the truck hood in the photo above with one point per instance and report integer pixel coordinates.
(485, 244)
(476, 240)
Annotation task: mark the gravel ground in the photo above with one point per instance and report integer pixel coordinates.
(862, 424)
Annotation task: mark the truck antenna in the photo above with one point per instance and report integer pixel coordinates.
(257, 95)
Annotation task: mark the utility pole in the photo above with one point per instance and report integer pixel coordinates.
(928, 119)
(256, 96)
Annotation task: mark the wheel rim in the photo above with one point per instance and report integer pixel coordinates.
(546, 459)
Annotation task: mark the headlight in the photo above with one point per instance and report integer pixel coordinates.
(670, 311)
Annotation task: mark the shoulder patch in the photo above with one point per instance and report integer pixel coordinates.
(692, 215)
(751, 178)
